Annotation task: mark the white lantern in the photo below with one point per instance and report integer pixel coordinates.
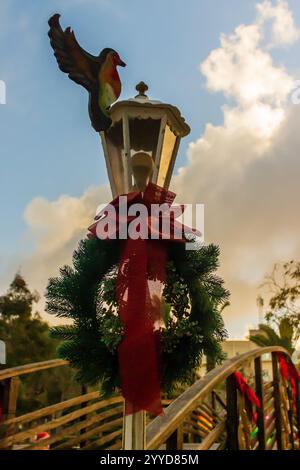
(142, 143)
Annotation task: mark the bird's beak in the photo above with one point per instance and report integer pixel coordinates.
(121, 63)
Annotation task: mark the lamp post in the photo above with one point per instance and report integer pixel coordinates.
(144, 138)
(140, 146)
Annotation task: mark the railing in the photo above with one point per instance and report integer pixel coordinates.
(86, 421)
(211, 414)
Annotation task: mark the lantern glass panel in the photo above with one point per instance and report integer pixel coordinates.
(144, 135)
(166, 155)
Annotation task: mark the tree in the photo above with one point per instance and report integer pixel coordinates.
(267, 336)
(18, 301)
(27, 340)
(284, 286)
(26, 335)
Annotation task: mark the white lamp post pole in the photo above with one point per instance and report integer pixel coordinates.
(134, 431)
(141, 145)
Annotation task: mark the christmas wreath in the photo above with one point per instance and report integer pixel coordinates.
(193, 297)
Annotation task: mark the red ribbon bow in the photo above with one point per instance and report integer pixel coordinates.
(250, 396)
(289, 372)
(141, 276)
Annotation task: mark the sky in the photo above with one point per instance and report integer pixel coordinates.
(230, 67)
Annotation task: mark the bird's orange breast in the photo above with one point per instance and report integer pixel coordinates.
(109, 74)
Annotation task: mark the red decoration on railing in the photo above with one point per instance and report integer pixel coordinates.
(251, 398)
(141, 276)
(288, 372)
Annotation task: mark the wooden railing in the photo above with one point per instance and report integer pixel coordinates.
(211, 413)
(86, 421)
(208, 415)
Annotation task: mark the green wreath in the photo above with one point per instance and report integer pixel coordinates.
(86, 293)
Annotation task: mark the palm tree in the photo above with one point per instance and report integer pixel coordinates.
(267, 336)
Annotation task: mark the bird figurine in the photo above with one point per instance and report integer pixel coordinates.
(98, 75)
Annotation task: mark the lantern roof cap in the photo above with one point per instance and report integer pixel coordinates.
(142, 107)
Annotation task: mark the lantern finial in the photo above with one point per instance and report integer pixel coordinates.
(141, 88)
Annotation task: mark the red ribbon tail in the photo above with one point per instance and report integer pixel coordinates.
(140, 313)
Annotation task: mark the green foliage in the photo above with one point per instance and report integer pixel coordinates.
(18, 301)
(196, 296)
(26, 335)
(79, 294)
(27, 340)
(286, 330)
(267, 336)
(284, 285)
(192, 298)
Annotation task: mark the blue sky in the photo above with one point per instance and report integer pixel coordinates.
(47, 146)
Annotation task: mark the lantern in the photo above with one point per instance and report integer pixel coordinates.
(142, 143)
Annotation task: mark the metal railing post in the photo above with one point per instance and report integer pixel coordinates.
(277, 401)
(232, 421)
(260, 411)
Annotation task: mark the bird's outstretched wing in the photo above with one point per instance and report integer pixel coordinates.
(71, 58)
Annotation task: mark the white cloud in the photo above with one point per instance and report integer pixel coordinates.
(55, 228)
(242, 70)
(54, 223)
(283, 28)
(246, 171)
